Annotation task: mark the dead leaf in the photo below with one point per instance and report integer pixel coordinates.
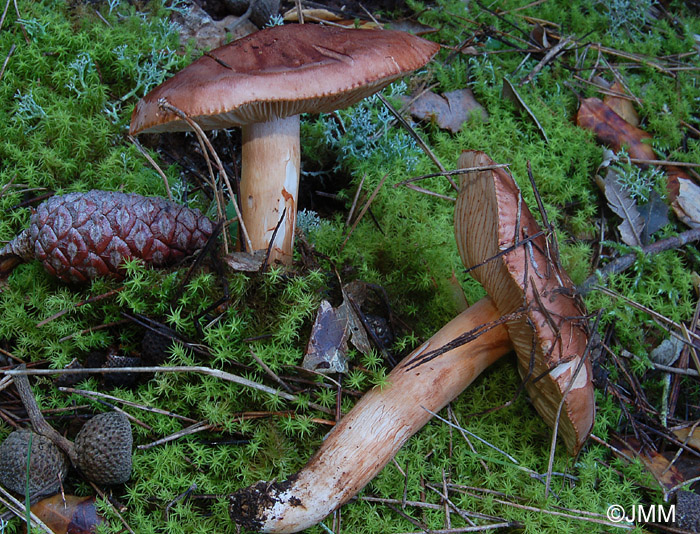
(208, 33)
(612, 130)
(245, 261)
(75, 515)
(509, 93)
(686, 205)
(449, 111)
(411, 26)
(323, 15)
(655, 215)
(667, 475)
(694, 440)
(622, 106)
(624, 206)
(327, 349)
(358, 334)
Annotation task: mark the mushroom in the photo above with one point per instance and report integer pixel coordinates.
(530, 301)
(262, 83)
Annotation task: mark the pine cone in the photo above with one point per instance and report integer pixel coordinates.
(80, 236)
(47, 464)
(103, 448)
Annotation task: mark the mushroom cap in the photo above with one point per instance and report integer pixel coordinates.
(279, 72)
(490, 219)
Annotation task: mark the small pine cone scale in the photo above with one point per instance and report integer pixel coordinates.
(81, 236)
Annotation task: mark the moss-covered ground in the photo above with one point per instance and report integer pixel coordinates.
(73, 73)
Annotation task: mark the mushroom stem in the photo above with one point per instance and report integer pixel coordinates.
(369, 436)
(270, 166)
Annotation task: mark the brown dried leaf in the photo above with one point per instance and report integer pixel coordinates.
(75, 515)
(245, 261)
(209, 33)
(450, 111)
(686, 205)
(694, 440)
(323, 15)
(411, 26)
(622, 106)
(612, 130)
(666, 474)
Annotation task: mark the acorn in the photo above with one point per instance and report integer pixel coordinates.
(48, 465)
(81, 236)
(103, 449)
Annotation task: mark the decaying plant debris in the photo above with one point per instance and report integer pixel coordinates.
(569, 91)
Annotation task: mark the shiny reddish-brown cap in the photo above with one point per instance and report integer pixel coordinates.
(491, 222)
(280, 72)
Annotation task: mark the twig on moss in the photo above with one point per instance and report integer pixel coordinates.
(269, 371)
(425, 191)
(223, 375)
(153, 163)
(364, 210)
(106, 499)
(93, 329)
(417, 138)
(355, 199)
(150, 409)
(201, 426)
(624, 262)
(19, 509)
(90, 300)
(454, 172)
(7, 59)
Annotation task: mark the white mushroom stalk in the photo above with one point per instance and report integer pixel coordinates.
(271, 149)
(530, 295)
(262, 83)
(369, 436)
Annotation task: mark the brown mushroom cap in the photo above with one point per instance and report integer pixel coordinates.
(490, 217)
(280, 72)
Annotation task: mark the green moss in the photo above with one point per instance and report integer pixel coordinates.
(66, 98)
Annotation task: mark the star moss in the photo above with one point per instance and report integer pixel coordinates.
(67, 93)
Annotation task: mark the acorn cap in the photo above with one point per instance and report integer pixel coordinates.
(47, 464)
(103, 449)
(491, 218)
(279, 72)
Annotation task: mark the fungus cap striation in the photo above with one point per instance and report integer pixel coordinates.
(492, 227)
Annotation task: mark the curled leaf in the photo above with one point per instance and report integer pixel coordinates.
(612, 130)
(74, 515)
(449, 110)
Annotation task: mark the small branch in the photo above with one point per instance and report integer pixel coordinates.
(624, 262)
(35, 416)
(223, 375)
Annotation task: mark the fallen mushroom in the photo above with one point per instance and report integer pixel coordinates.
(493, 227)
(262, 83)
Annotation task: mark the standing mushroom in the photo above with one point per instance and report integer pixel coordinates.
(492, 226)
(262, 83)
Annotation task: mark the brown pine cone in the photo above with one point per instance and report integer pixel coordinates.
(103, 449)
(47, 464)
(80, 236)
